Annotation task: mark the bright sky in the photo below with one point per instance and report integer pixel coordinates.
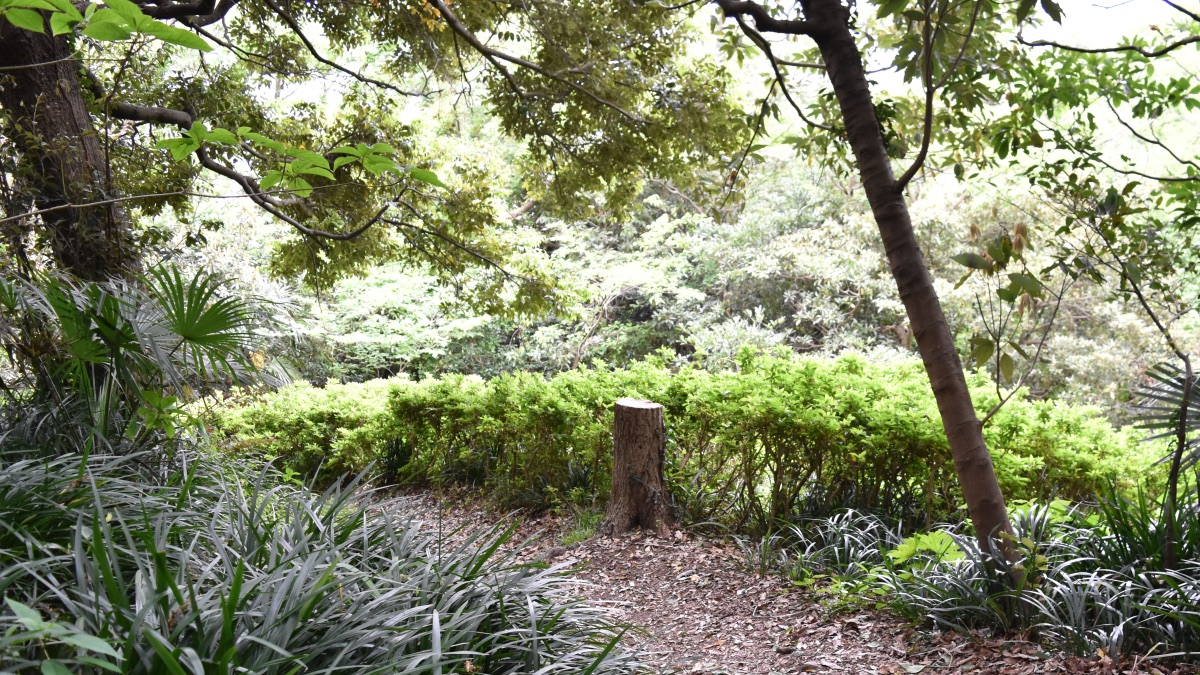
(1100, 23)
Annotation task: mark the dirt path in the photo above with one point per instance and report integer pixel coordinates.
(696, 609)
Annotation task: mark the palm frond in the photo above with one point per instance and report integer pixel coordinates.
(1160, 403)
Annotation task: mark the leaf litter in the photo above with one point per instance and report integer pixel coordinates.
(695, 609)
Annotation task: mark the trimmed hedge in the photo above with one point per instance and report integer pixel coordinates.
(781, 437)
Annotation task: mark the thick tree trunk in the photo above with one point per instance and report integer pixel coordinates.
(935, 342)
(639, 495)
(62, 162)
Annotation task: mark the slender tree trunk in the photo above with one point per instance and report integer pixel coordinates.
(935, 342)
(61, 159)
(1170, 506)
(639, 495)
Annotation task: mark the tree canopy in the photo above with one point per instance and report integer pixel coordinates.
(117, 112)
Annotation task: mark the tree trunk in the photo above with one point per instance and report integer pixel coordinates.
(62, 162)
(639, 495)
(935, 342)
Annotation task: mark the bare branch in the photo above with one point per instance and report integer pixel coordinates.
(1148, 53)
(759, 123)
(1149, 139)
(800, 64)
(72, 57)
(299, 32)
(494, 56)
(449, 240)
(931, 90)
(1186, 12)
(765, 47)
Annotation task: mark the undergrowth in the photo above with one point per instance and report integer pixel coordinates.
(217, 570)
(1092, 578)
(750, 449)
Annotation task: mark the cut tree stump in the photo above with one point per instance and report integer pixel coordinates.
(639, 496)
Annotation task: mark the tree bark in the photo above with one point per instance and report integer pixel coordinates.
(639, 495)
(62, 163)
(830, 29)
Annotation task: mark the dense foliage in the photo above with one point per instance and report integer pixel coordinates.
(1094, 579)
(107, 568)
(779, 438)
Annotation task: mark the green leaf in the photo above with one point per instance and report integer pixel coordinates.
(224, 136)
(1008, 293)
(125, 9)
(175, 36)
(982, 349)
(1024, 9)
(1006, 366)
(55, 667)
(317, 171)
(270, 179)
(1053, 10)
(198, 131)
(99, 663)
(259, 139)
(106, 31)
(26, 615)
(342, 161)
(31, 4)
(889, 7)
(377, 165)
(973, 261)
(1132, 272)
(312, 158)
(1027, 284)
(61, 23)
(90, 643)
(300, 186)
(27, 19)
(64, 6)
(178, 147)
(426, 176)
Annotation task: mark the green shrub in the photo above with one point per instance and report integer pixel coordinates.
(780, 438)
(338, 429)
(104, 569)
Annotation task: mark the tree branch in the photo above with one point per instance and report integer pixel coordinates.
(494, 56)
(198, 13)
(1147, 139)
(299, 32)
(931, 90)
(765, 47)
(1148, 53)
(268, 202)
(763, 21)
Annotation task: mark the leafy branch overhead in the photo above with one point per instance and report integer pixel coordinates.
(117, 20)
(353, 185)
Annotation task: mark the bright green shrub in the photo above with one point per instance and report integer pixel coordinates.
(336, 429)
(779, 438)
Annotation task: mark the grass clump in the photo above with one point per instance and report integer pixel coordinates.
(1092, 577)
(216, 570)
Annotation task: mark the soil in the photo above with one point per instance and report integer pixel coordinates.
(694, 607)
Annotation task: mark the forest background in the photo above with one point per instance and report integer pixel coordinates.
(515, 248)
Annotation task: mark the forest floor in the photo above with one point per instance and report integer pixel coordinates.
(695, 608)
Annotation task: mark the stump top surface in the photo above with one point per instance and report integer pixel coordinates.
(638, 403)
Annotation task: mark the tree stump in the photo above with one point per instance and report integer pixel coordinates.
(639, 496)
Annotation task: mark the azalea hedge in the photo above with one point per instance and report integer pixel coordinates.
(776, 439)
